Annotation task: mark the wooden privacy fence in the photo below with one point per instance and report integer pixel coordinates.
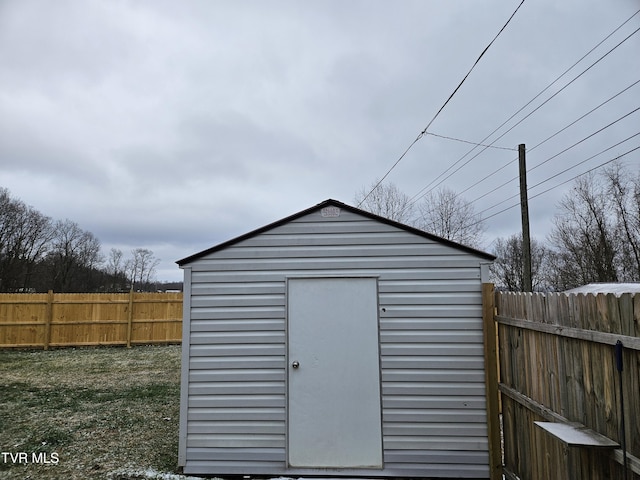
(558, 366)
(81, 319)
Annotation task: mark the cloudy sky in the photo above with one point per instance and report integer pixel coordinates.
(176, 125)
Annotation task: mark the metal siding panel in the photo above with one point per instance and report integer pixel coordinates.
(237, 300)
(237, 288)
(432, 375)
(259, 324)
(341, 264)
(317, 225)
(434, 416)
(433, 362)
(431, 348)
(222, 350)
(445, 350)
(251, 400)
(256, 415)
(458, 443)
(243, 312)
(277, 238)
(238, 338)
(446, 276)
(237, 427)
(430, 298)
(237, 375)
(241, 454)
(433, 457)
(435, 429)
(234, 441)
(437, 402)
(337, 250)
(400, 323)
(430, 286)
(237, 362)
(236, 388)
(424, 336)
(430, 311)
(432, 388)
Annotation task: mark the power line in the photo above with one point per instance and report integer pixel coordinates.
(472, 67)
(585, 115)
(479, 214)
(542, 104)
(558, 154)
(573, 80)
(423, 133)
(527, 104)
(550, 137)
(586, 138)
(472, 143)
(583, 161)
(560, 173)
(555, 186)
(584, 173)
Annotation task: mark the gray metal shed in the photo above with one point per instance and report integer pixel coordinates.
(334, 342)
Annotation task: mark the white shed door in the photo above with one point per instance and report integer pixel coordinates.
(334, 409)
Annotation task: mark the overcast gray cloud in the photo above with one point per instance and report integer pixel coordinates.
(175, 125)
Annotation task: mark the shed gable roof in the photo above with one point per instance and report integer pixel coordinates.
(344, 206)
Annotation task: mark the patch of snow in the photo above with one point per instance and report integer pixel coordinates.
(149, 474)
(152, 474)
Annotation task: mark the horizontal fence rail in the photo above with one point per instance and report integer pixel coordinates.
(44, 320)
(558, 364)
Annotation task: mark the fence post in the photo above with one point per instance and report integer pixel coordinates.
(130, 319)
(491, 381)
(48, 316)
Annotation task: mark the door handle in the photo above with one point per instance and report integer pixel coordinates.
(295, 364)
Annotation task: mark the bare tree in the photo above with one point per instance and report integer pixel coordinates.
(115, 269)
(446, 214)
(584, 237)
(140, 268)
(508, 268)
(623, 192)
(115, 262)
(24, 238)
(74, 256)
(387, 201)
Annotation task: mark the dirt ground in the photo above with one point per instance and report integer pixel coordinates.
(90, 413)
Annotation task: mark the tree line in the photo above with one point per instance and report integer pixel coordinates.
(595, 235)
(38, 254)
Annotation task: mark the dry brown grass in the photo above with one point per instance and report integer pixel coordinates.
(102, 411)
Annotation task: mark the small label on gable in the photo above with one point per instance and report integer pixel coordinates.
(330, 212)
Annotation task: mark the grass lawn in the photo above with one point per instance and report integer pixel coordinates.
(102, 413)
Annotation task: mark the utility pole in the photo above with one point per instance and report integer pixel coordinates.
(524, 209)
